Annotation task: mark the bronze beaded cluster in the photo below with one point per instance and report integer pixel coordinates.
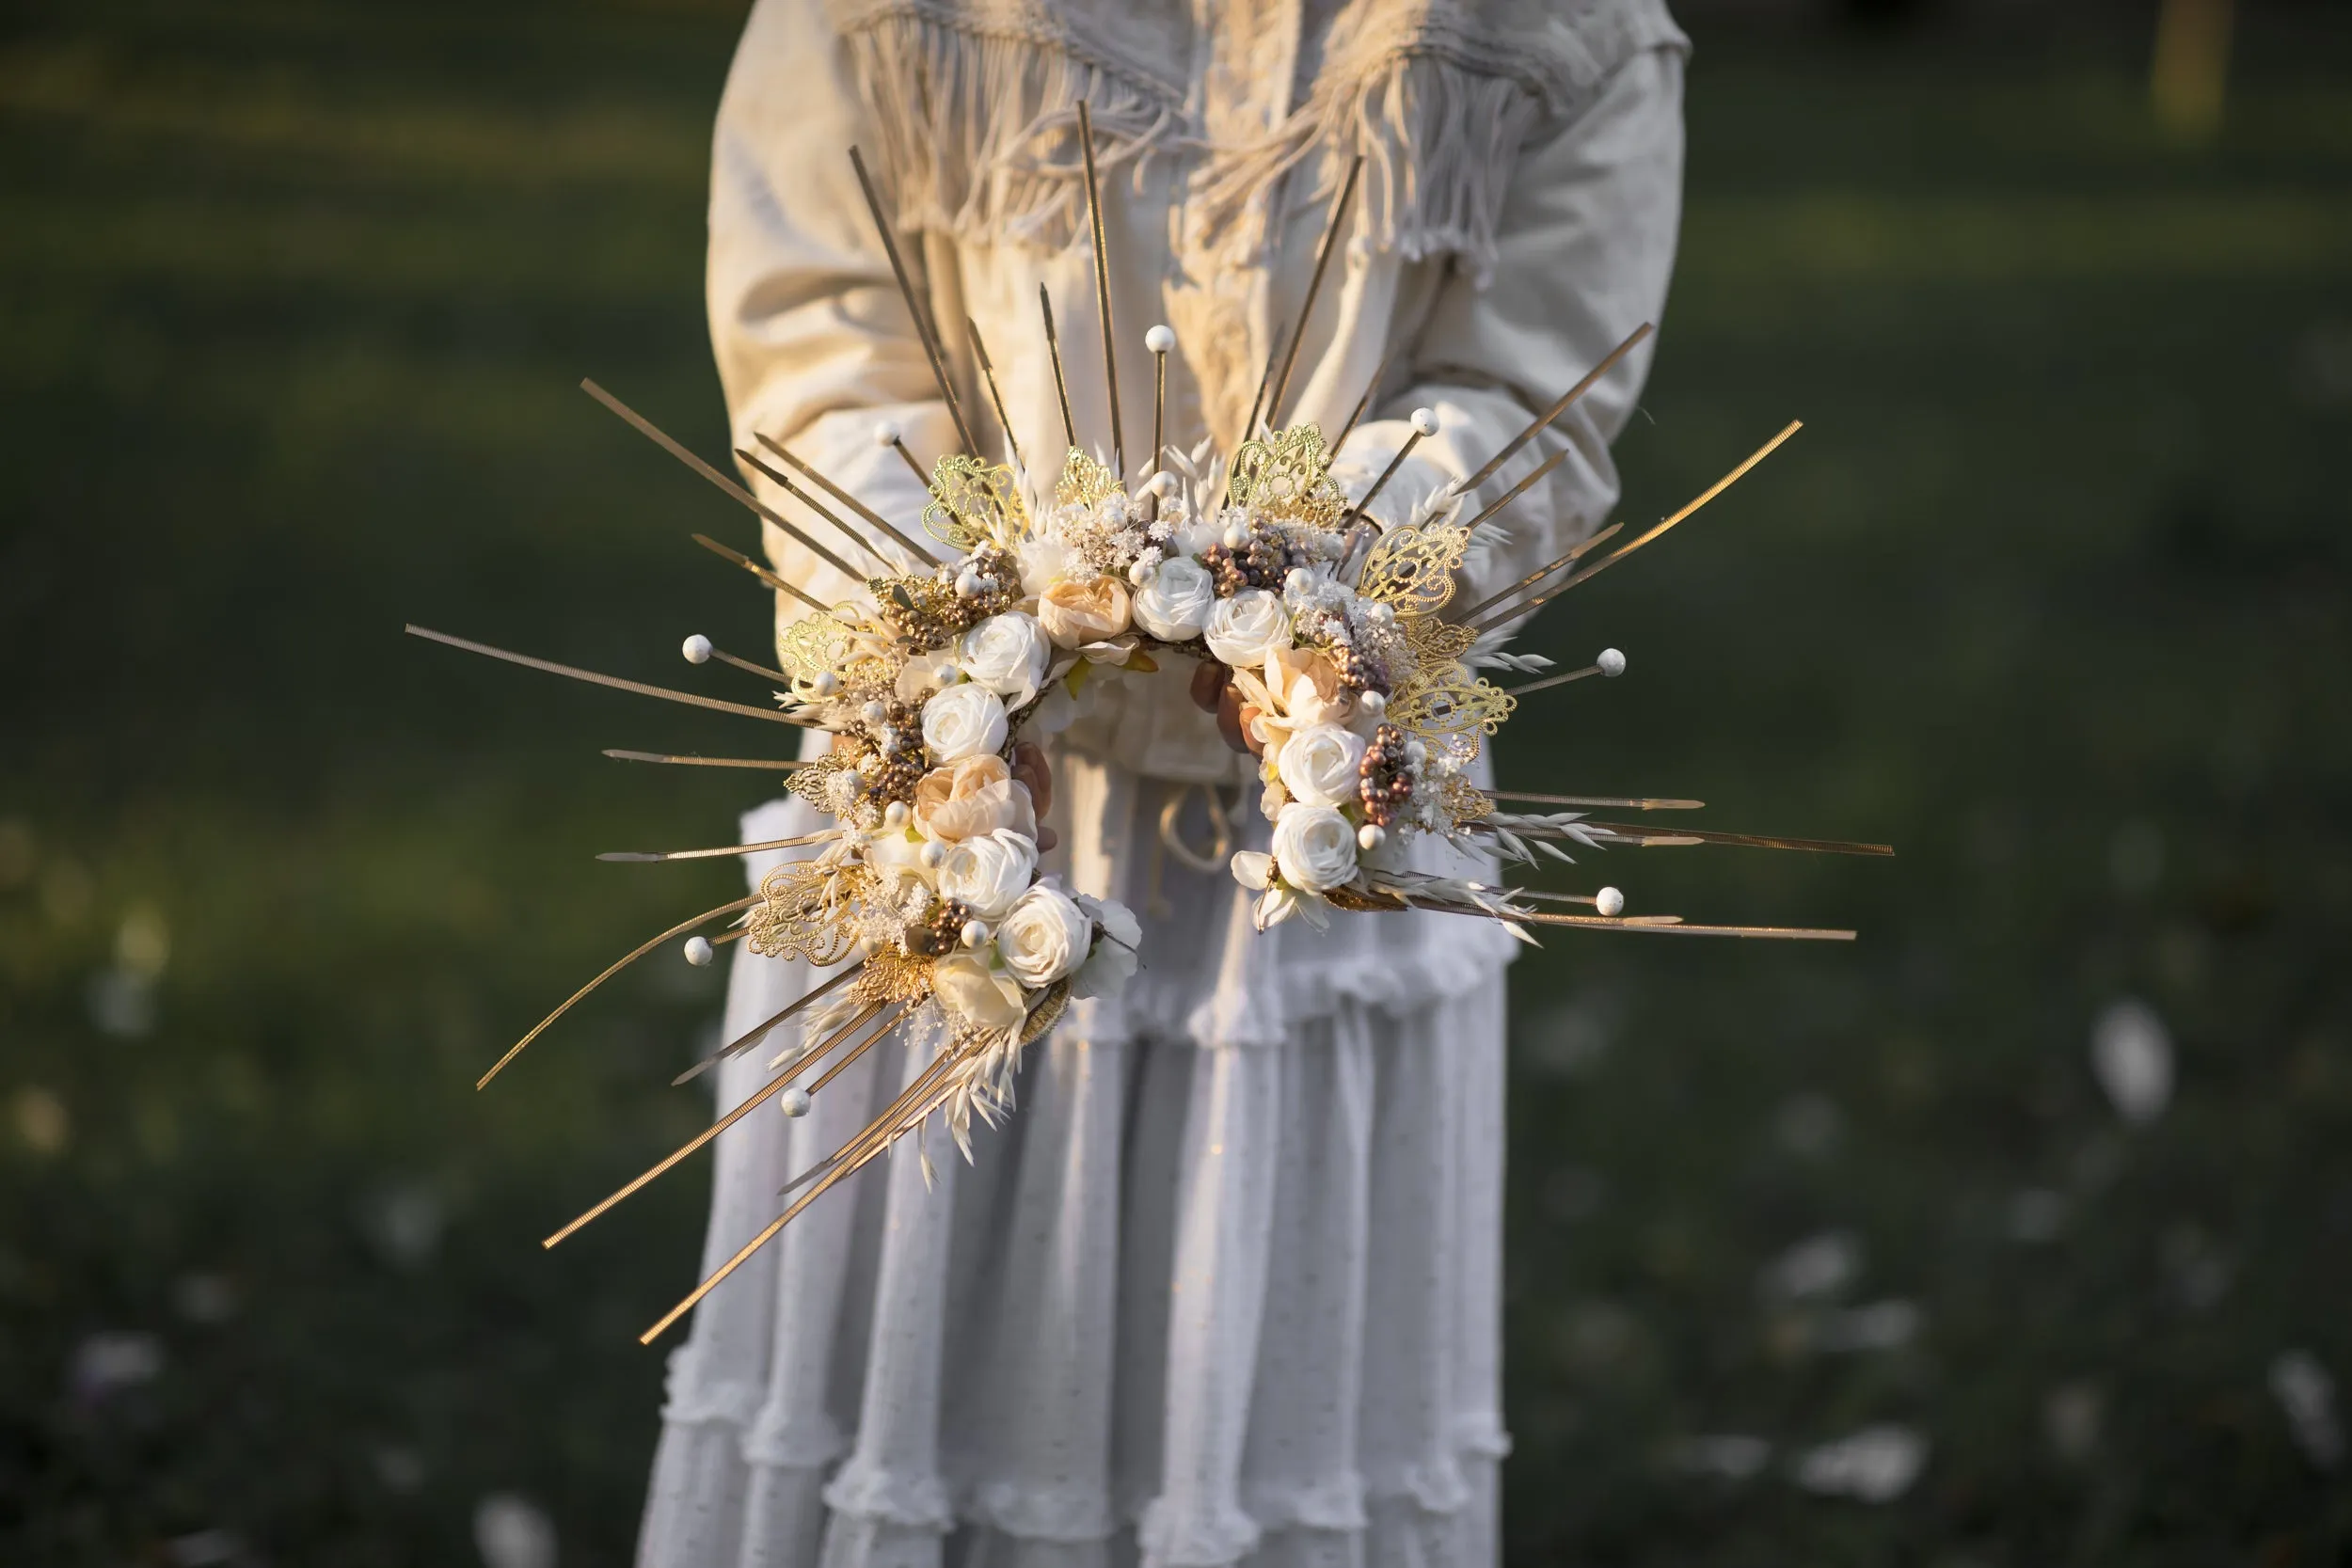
(1260, 562)
(1383, 780)
(930, 613)
(938, 933)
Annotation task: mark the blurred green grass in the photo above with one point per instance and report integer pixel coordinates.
(2052, 593)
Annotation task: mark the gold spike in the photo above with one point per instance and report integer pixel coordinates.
(682, 761)
(648, 857)
(1355, 512)
(749, 669)
(1314, 283)
(1102, 287)
(613, 681)
(919, 551)
(1543, 419)
(784, 484)
(1372, 388)
(1264, 380)
(759, 1032)
(623, 962)
(1053, 352)
(1751, 841)
(751, 1102)
(1583, 547)
(1644, 922)
(756, 570)
(915, 307)
(1625, 802)
(988, 373)
(1549, 681)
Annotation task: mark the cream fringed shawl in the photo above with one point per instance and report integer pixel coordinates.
(975, 101)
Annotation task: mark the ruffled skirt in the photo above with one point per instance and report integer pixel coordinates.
(1223, 1290)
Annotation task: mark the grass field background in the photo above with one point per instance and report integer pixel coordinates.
(2054, 591)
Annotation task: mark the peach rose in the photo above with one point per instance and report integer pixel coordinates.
(1076, 613)
(1307, 684)
(970, 796)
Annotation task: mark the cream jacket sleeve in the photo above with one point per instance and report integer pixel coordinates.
(1584, 250)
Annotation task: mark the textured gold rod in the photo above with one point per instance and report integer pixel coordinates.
(649, 857)
(1372, 389)
(1315, 285)
(1751, 841)
(914, 306)
(1646, 923)
(1704, 497)
(1535, 477)
(766, 578)
(893, 1121)
(662, 438)
(1543, 419)
(1550, 681)
(761, 1031)
(850, 1056)
(919, 551)
(1159, 414)
(988, 373)
(1265, 381)
(1583, 547)
(784, 483)
(1356, 512)
(677, 759)
(751, 1102)
(1053, 352)
(1103, 287)
(618, 964)
(1634, 803)
(613, 681)
(749, 668)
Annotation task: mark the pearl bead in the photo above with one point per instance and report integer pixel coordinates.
(793, 1102)
(1372, 702)
(1381, 614)
(1426, 422)
(696, 649)
(873, 713)
(1610, 902)
(885, 433)
(1235, 536)
(886, 739)
(1140, 573)
(974, 934)
(1369, 836)
(895, 814)
(932, 853)
(968, 584)
(1159, 339)
(698, 951)
(826, 683)
(1611, 664)
(1298, 581)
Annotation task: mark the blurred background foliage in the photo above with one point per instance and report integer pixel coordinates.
(2020, 1232)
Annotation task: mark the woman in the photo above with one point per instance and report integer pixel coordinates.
(1225, 1287)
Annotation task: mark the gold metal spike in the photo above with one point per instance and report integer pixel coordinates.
(613, 681)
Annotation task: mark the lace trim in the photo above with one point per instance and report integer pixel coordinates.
(1176, 1533)
(1074, 1515)
(790, 1440)
(689, 1398)
(869, 1491)
(1335, 1502)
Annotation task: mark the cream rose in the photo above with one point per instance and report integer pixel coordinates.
(1315, 846)
(1078, 611)
(967, 987)
(1307, 685)
(1007, 654)
(990, 873)
(924, 674)
(970, 796)
(1318, 764)
(1045, 938)
(1175, 604)
(1245, 629)
(961, 721)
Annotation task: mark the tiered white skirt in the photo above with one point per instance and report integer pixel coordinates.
(1223, 1290)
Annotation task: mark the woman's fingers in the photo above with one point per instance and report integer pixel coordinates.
(1208, 681)
(1030, 767)
(1232, 723)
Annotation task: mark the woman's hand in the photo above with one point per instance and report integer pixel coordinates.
(1031, 768)
(1213, 693)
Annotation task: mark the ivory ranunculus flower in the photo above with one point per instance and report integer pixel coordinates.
(1243, 629)
(961, 721)
(1007, 654)
(1315, 846)
(1045, 937)
(1077, 610)
(988, 874)
(970, 796)
(967, 987)
(1318, 764)
(1307, 685)
(1175, 604)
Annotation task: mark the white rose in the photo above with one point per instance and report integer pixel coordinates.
(963, 722)
(1007, 654)
(1045, 938)
(1175, 604)
(1314, 845)
(967, 987)
(1318, 764)
(989, 873)
(1242, 630)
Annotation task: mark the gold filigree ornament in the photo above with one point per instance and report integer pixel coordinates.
(814, 644)
(1283, 476)
(806, 910)
(1084, 481)
(1435, 643)
(973, 503)
(1462, 803)
(1448, 707)
(893, 974)
(1411, 569)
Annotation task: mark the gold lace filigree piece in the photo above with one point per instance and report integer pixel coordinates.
(807, 911)
(1084, 481)
(893, 974)
(1282, 476)
(1450, 707)
(1462, 803)
(814, 644)
(972, 503)
(1047, 1012)
(1434, 643)
(1411, 569)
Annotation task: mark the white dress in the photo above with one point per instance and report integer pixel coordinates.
(1226, 1287)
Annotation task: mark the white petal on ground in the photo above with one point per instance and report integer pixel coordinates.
(2307, 1395)
(2131, 1053)
(1876, 1465)
(1816, 1266)
(513, 1532)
